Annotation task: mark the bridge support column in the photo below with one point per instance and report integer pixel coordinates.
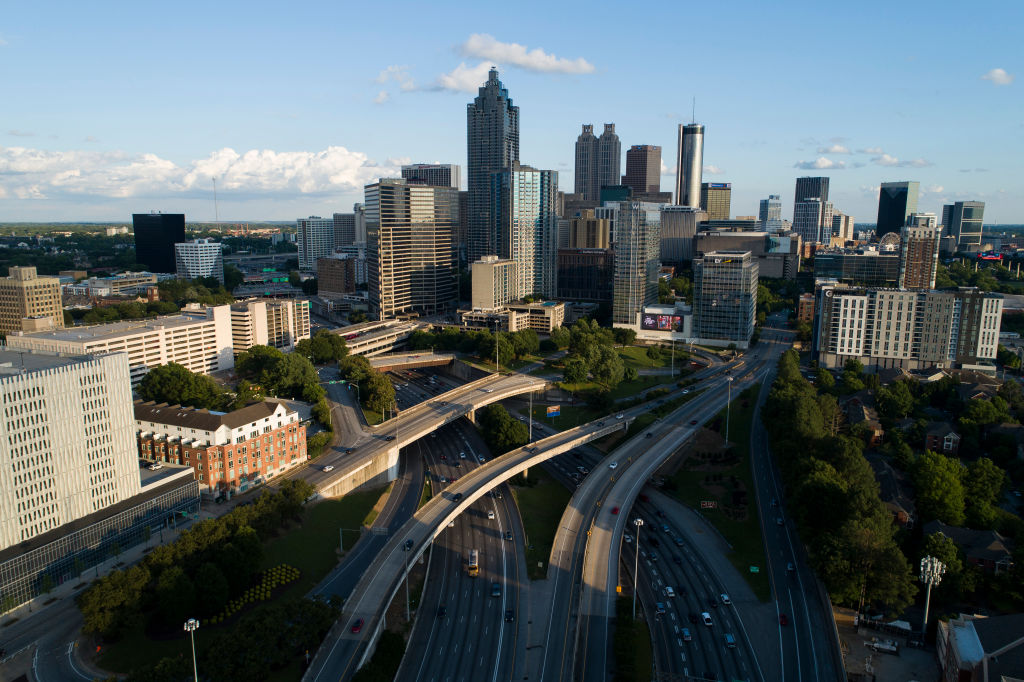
(471, 416)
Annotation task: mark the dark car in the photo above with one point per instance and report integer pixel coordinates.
(693, 422)
(442, 611)
(677, 561)
(714, 603)
(649, 434)
(510, 616)
(408, 545)
(390, 438)
(508, 535)
(457, 497)
(495, 589)
(615, 510)
(358, 625)
(783, 620)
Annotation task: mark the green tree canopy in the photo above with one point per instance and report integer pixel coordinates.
(174, 384)
(939, 488)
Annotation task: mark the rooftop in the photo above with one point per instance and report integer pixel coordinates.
(113, 330)
(15, 361)
(202, 420)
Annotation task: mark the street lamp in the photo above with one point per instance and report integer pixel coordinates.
(638, 522)
(497, 362)
(191, 625)
(931, 574)
(728, 407)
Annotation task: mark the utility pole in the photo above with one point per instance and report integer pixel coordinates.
(636, 559)
(728, 407)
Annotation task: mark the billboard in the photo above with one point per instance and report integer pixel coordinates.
(554, 410)
(663, 323)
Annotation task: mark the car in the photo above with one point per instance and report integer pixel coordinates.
(451, 524)
(600, 423)
(779, 521)
(457, 497)
(783, 620)
(714, 603)
(154, 466)
(620, 416)
(508, 535)
(654, 557)
(687, 637)
(669, 592)
(444, 458)
(693, 618)
(613, 465)
(462, 455)
(706, 617)
(627, 538)
(522, 419)
(457, 465)
(790, 567)
(442, 479)
(775, 502)
(659, 607)
(615, 510)
(389, 438)
(660, 514)
(583, 470)
(490, 514)
(357, 626)
(328, 468)
(665, 528)
(495, 590)
(481, 459)
(730, 641)
(510, 616)
(678, 541)
(442, 611)
(649, 435)
(685, 391)
(408, 545)
(725, 599)
(498, 494)
(693, 422)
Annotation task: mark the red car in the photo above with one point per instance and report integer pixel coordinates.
(615, 510)
(783, 620)
(357, 626)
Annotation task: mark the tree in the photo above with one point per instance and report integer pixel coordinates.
(501, 432)
(983, 485)
(895, 401)
(826, 382)
(609, 368)
(525, 342)
(322, 412)
(211, 588)
(631, 374)
(233, 277)
(174, 384)
(624, 336)
(940, 492)
(561, 337)
(575, 371)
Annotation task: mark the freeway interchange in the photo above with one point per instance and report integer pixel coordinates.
(462, 632)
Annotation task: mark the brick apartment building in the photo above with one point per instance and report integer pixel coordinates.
(227, 451)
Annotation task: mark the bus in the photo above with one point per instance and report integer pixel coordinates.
(474, 563)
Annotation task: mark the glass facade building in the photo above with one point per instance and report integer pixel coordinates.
(155, 237)
(871, 268)
(896, 201)
(725, 297)
(637, 259)
(689, 164)
(526, 222)
(769, 214)
(962, 221)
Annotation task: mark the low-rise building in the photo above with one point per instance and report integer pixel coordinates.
(979, 649)
(280, 323)
(29, 302)
(985, 549)
(805, 308)
(227, 451)
(940, 437)
(541, 316)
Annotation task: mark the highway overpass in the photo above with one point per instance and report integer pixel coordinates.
(344, 651)
(426, 358)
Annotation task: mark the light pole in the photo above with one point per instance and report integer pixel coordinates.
(673, 357)
(728, 407)
(191, 625)
(636, 560)
(497, 362)
(407, 616)
(931, 574)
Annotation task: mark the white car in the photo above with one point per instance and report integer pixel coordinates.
(462, 455)
(154, 466)
(620, 416)
(725, 599)
(328, 468)
(613, 465)
(490, 514)
(707, 618)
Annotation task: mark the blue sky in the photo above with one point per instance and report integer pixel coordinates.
(111, 108)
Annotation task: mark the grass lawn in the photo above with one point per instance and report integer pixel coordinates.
(426, 494)
(744, 536)
(372, 416)
(311, 547)
(636, 356)
(541, 506)
(630, 388)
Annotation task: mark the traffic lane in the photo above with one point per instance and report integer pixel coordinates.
(53, 631)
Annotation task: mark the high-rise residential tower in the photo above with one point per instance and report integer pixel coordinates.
(155, 237)
(769, 215)
(199, 258)
(643, 169)
(716, 199)
(919, 257)
(410, 264)
(637, 241)
(527, 225)
(492, 142)
(434, 174)
(315, 240)
(810, 188)
(896, 201)
(344, 229)
(808, 220)
(962, 221)
(689, 164)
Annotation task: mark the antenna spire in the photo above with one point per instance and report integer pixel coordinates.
(693, 111)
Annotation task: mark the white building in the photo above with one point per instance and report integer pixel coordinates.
(316, 240)
(280, 323)
(200, 342)
(67, 440)
(494, 283)
(199, 258)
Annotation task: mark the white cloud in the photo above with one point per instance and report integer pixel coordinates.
(381, 97)
(464, 78)
(713, 170)
(399, 74)
(484, 46)
(821, 163)
(33, 173)
(871, 150)
(833, 149)
(892, 161)
(667, 170)
(21, 133)
(998, 77)
(933, 189)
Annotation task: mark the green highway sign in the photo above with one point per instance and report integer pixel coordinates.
(755, 569)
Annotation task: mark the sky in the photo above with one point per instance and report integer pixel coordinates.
(113, 108)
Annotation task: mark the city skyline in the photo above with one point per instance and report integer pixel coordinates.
(153, 131)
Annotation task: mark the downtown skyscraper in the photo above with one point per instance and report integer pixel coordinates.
(896, 201)
(598, 161)
(525, 219)
(643, 169)
(810, 188)
(689, 164)
(492, 145)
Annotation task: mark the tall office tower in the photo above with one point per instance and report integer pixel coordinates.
(609, 158)
(716, 199)
(637, 242)
(344, 229)
(643, 168)
(896, 201)
(360, 213)
(807, 220)
(678, 231)
(336, 276)
(827, 213)
(587, 231)
(492, 142)
(28, 302)
(810, 188)
(919, 257)
(586, 187)
(769, 215)
(199, 258)
(689, 164)
(434, 174)
(842, 226)
(962, 221)
(69, 440)
(155, 237)
(494, 283)
(410, 266)
(523, 201)
(725, 297)
(316, 240)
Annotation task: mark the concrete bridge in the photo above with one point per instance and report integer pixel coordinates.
(412, 360)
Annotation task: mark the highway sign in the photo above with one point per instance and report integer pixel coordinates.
(554, 410)
(755, 569)
(709, 504)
